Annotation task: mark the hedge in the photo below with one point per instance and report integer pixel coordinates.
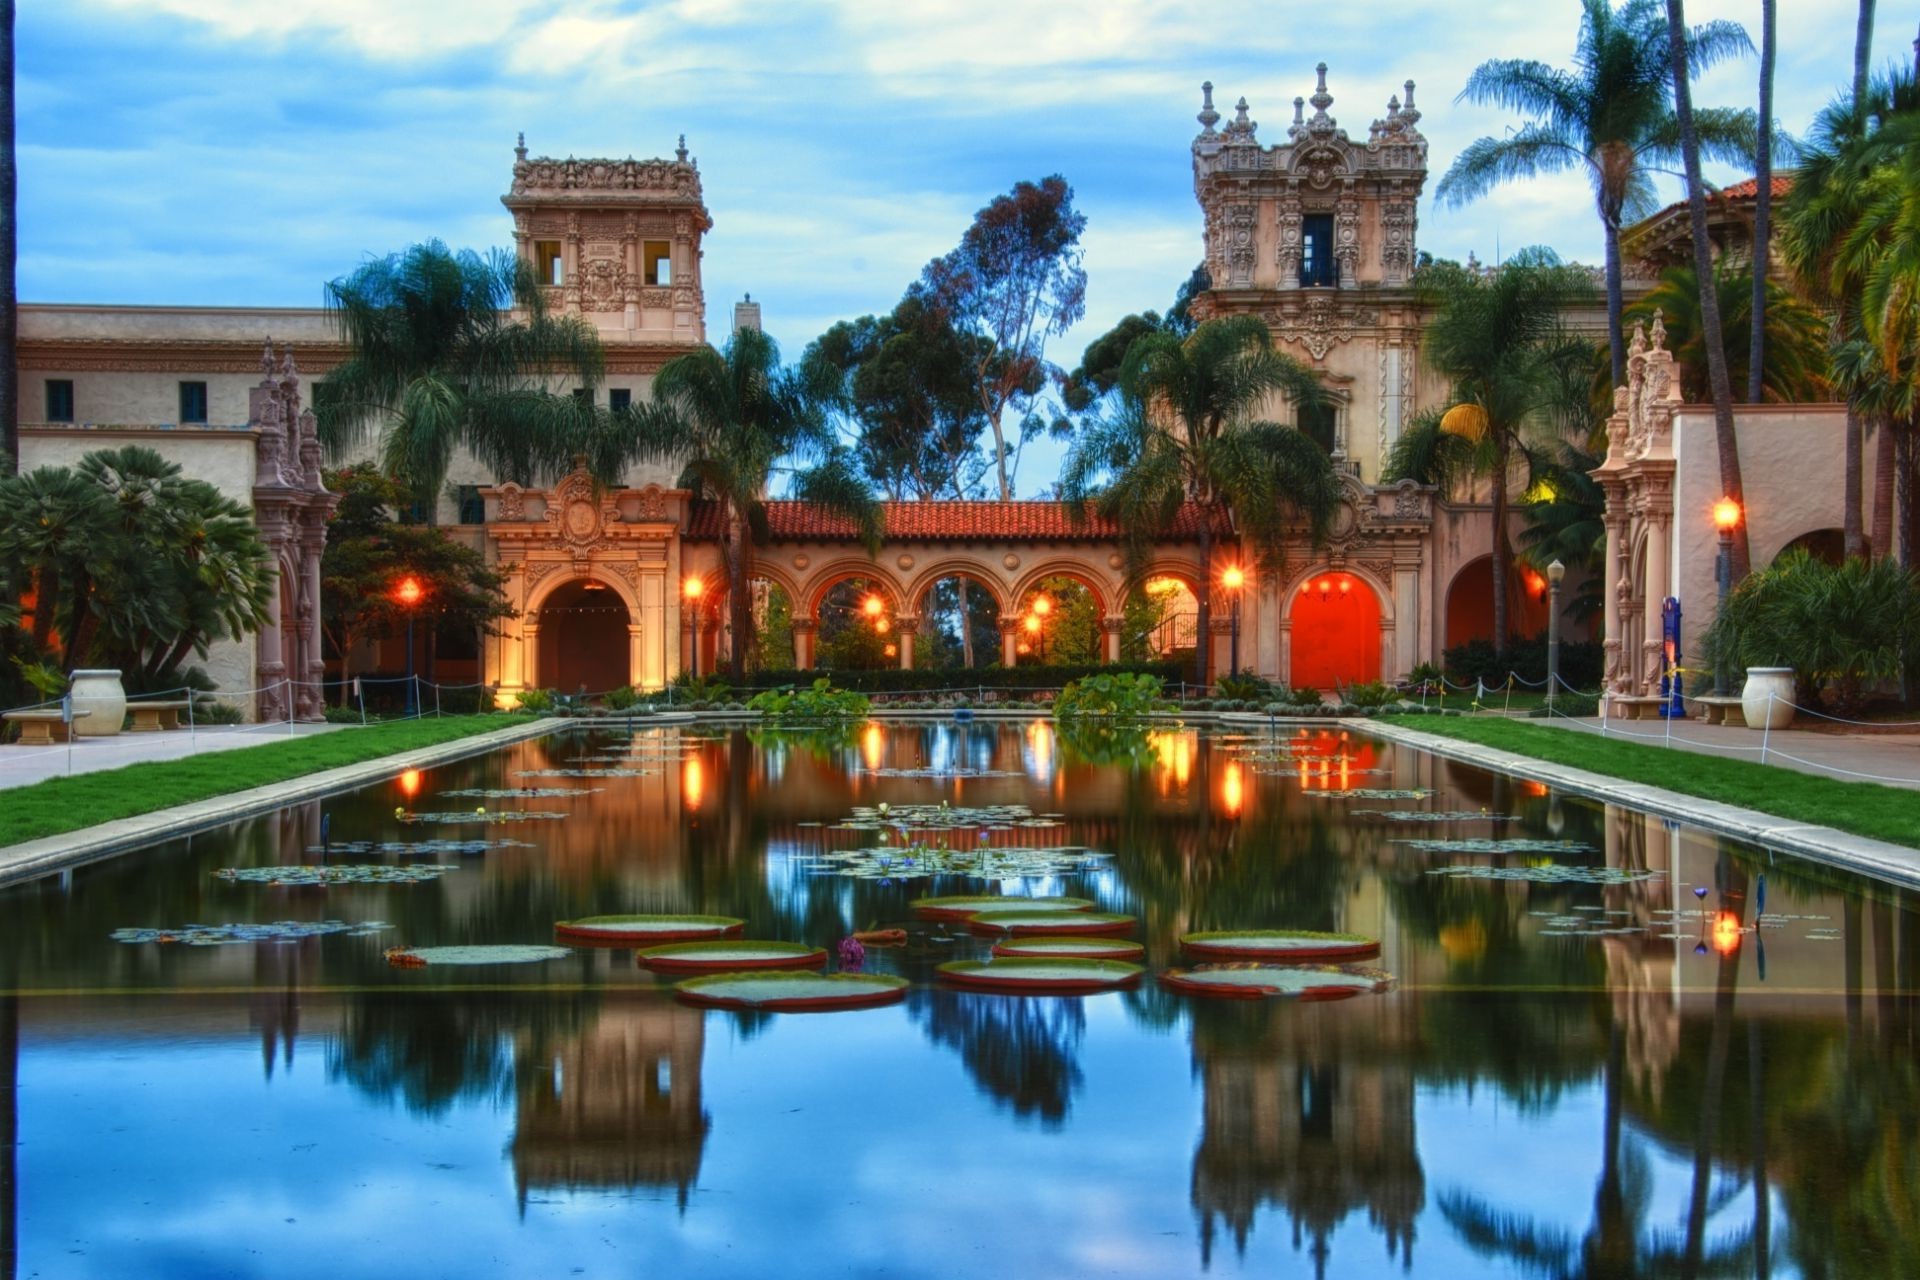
(960, 679)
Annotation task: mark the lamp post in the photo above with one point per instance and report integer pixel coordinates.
(1232, 578)
(1555, 572)
(692, 589)
(1726, 518)
(1042, 610)
(408, 593)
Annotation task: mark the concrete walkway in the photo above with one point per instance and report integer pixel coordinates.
(1891, 758)
(21, 766)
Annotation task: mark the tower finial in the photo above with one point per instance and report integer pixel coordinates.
(1208, 117)
(681, 150)
(1407, 111)
(520, 146)
(1321, 98)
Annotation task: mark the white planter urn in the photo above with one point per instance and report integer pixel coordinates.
(100, 693)
(1767, 699)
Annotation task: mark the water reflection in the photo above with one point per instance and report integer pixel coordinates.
(1710, 1069)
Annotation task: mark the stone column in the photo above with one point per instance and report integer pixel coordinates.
(906, 627)
(1614, 557)
(803, 634)
(1659, 559)
(271, 667)
(530, 655)
(1220, 656)
(636, 656)
(314, 668)
(1009, 638)
(1111, 629)
(1406, 620)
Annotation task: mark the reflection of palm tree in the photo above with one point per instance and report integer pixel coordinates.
(1022, 1052)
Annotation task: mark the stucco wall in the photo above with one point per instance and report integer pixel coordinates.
(223, 457)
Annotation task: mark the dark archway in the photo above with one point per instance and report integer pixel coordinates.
(1470, 603)
(583, 638)
(1826, 545)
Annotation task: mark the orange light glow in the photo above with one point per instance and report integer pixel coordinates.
(408, 591)
(410, 783)
(1536, 584)
(1042, 605)
(1233, 790)
(892, 651)
(1326, 585)
(1346, 585)
(872, 747)
(694, 587)
(1726, 933)
(873, 606)
(1023, 647)
(1534, 788)
(693, 783)
(882, 627)
(1232, 578)
(1726, 514)
(1032, 625)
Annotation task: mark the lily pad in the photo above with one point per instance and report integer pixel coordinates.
(962, 906)
(1069, 945)
(1032, 922)
(519, 793)
(419, 957)
(795, 992)
(1519, 844)
(1428, 815)
(1058, 975)
(647, 928)
(942, 774)
(588, 773)
(707, 957)
(1373, 793)
(1278, 944)
(337, 873)
(942, 817)
(919, 862)
(220, 935)
(477, 816)
(1294, 981)
(418, 848)
(1546, 873)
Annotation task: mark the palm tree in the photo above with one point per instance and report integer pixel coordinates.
(9, 255)
(1515, 372)
(1682, 63)
(732, 419)
(1795, 334)
(1184, 432)
(1762, 209)
(438, 362)
(1565, 511)
(1610, 117)
(51, 520)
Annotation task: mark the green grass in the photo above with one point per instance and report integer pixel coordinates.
(68, 804)
(1860, 808)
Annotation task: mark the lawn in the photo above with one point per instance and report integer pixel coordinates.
(67, 804)
(1861, 808)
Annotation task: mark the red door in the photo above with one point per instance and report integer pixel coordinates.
(1336, 633)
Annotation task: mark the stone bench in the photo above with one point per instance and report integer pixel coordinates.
(1646, 706)
(153, 715)
(1722, 709)
(41, 728)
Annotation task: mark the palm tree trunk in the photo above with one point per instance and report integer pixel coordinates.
(1862, 51)
(1712, 331)
(1616, 343)
(46, 589)
(1762, 206)
(1501, 554)
(740, 606)
(1853, 530)
(1203, 606)
(1883, 469)
(9, 255)
(966, 625)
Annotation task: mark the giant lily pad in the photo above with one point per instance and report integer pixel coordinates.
(795, 992)
(1373, 793)
(337, 873)
(919, 862)
(417, 848)
(220, 935)
(1032, 922)
(961, 906)
(647, 928)
(1518, 844)
(1257, 981)
(941, 774)
(1055, 975)
(420, 957)
(1428, 815)
(709, 957)
(1067, 945)
(1278, 944)
(520, 793)
(1546, 873)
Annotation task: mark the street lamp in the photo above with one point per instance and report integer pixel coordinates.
(1555, 572)
(408, 593)
(1037, 627)
(692, 589)
(1232, 578)
(1726, 518)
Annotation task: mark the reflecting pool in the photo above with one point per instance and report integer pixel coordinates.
(1615, 1046)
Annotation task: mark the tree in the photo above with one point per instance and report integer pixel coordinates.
(1762, 209)
(731, 419)
(1497, 337)
(1098, 374)
(9, 257)
(1795, 339)
(437, 362)
(1610, 117)
(1015, 280)
(1682, 64)
(1184, 432)
(368, 552)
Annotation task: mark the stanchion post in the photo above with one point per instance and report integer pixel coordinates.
(1555, 572)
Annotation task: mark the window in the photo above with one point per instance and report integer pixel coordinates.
(1319, 423)
(547, 261)
(193, 402)
(656, 257)
(473, 507)
(59, 399)
(619, 399)
(1318, 268)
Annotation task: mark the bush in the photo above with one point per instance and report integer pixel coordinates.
(214, 711)
(1245, 686)
(1425, 678)
(1371, 694)
(1306, 695)
(1568, 704)
(342, 715)
(538, 701)
(622, 699)
(956, 679)
(1580, 662)
(1127, 694)
(820, 701)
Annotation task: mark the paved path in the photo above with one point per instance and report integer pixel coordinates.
(1892, 758)
(20, 765)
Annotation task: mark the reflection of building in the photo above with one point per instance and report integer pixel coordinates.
(1318, 1131)
(617, 1105)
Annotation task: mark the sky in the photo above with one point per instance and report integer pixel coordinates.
(233, 152)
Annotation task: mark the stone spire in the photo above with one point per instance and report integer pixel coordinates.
(1321, 122)
(520, 146)
(1208, 117)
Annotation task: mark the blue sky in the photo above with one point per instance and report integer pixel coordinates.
(238, 152)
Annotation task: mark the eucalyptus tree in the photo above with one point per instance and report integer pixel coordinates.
(450, 350)
(732, 420)
(1184, 431)
(1499, 339)
(1611, 116)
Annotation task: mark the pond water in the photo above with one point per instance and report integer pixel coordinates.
(1614, 1046)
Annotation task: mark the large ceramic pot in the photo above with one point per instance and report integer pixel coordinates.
(1767, 699)
(100, 693)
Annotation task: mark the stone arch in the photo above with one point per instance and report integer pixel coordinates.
(549, 662)
(1468, 609)
(924, 580)
(828, 576)
(1358, 651)
(1828, 545)
(1105, 590)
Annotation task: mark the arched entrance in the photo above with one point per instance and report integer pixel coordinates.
(1335, 632)
(1470, 603)
(584, 638)
(1826, 545)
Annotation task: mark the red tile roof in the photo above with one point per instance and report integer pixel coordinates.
(791, 521)
(1745, 190)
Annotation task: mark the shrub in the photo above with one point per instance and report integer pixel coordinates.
(1568, 704)
(1128, 694)
(953, 679)
(820, 701)
(538, 701)
(1425, 678)
(1306, 695)
(1371, 694)
(1245, 686)
(1580, 662)
(342, 715)
(622, 699)
(214, 711)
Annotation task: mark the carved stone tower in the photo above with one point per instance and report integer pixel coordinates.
(615, 241)
(1316, 235)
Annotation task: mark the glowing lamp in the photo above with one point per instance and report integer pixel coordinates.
(694, 587)
(1535, 583)
(1468, 421)
(1556, 573)
(1023, 647)
(1726, 933)
(872, 606)
(410, 783)
(1346, 585)
(408, 591)
(1232, 578)
(892, 651)
(1033, 624)
(882, 627)
(1726, 515)
(1042, 605)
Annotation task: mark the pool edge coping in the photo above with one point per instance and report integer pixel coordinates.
(32, 859)
(1882, 859)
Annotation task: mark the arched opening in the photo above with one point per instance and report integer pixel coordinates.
(1826, 545)
(1159, 620)
(1335, 632)
(584, 644)
(959, 623)
(1470, 603)
(772, 626)
(857, 626)
(1059, 623)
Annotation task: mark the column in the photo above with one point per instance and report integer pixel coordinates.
(636, 657)
(1009, 637)
(313, 669)
(1406, 620)
(1110, 631)
(530, 655)
(1613, 558)
(906, 627)
(271, 668)
(1220, 656)
(1659, 557)
(803, 633)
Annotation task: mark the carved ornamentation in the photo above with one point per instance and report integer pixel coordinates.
(1240, 252)
(513, 502)
(603, 283)
(546, 175)
(1319, 323)
(580, 514)
(653, 504)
